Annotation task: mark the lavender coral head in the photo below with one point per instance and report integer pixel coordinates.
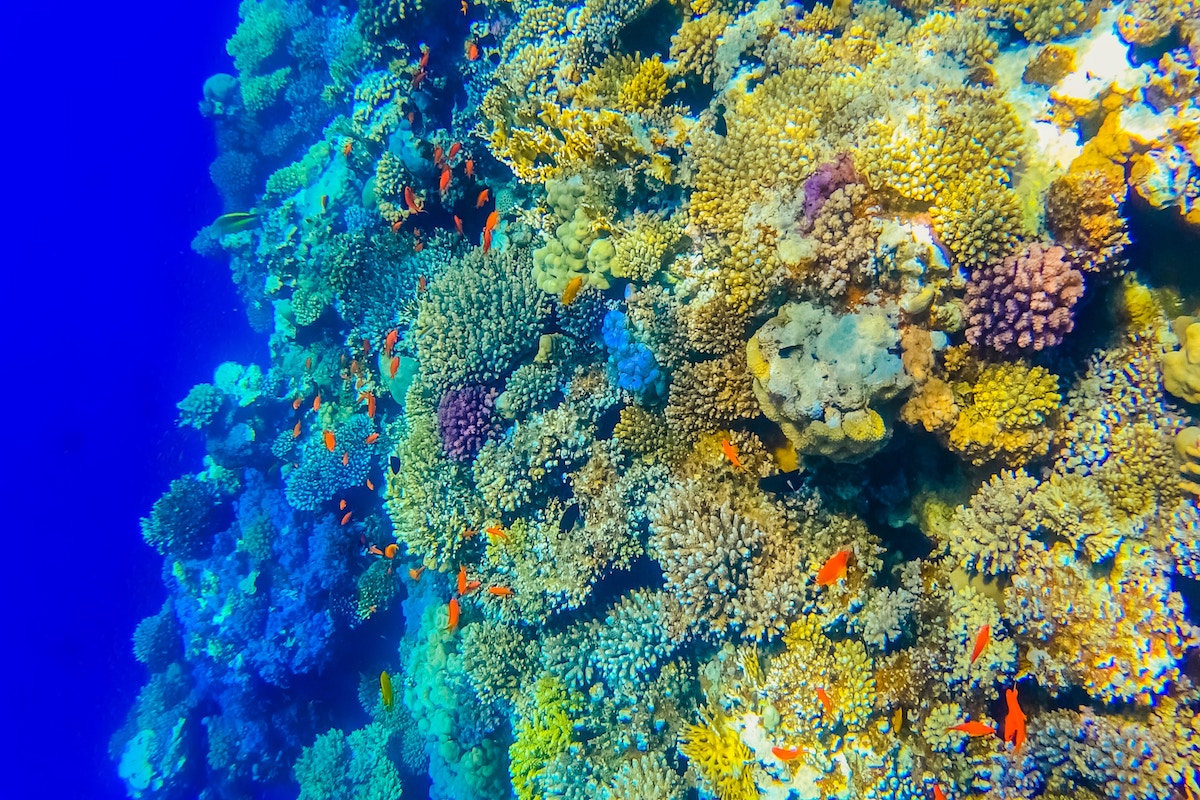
(829, 177)
(466, 419)
(1024, 301)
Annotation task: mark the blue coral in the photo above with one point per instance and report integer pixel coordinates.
(321, 475)
(632, 362)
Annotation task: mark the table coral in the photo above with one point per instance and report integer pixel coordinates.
(1024, 301)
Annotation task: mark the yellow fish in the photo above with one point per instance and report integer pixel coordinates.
(385, 689)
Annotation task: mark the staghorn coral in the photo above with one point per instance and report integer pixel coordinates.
(694, 46)
(646, 776)
(644, 245)
(718, 755)
(497, 660)
(1024, 301)
(478, 318)
(978, 218)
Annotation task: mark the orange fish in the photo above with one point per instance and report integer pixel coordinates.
(487, 240)
(346, 517)
(452, 618)
(472, 51)
(437, 155)
(296, 431)
(469, 533)
(454, 148)
(366, 345)
(375, 551)
(422, 284)
(415, 573)
(324, 202)
(444, 181)
(317, 402)
(392, 337)
(470, 168)
(458, 225)
(371, 405)
(394, 366)
(938, 794)
(462, 580)
(500, 591)
(482, 198)
(826, 703)
(424, 57)
(342, 505)
(834, 569)
(730, 451)
(347, 147)
(370, 486)
(308, 363)
(1014, 721)
(391, 550)
(296, 403)
(397, 225)
(981, 640)
(330, 441)
(496, 532)
(788, 754)
(972, 729)
(373, 438)
(572, 291)
(410, 200)
(464, 7)
(346, 459)
(418, 243)
(472, 586)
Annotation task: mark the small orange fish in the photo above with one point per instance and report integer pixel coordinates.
(342, 505)
(424, 57)
(370, 486)
(394, 366)
(371, 405)
(731, 452)
(437, 155)
(458, 225)
(834, 569)
(415, 573)
(346, 459)
(472, 586)
(572, 291)
(296, 431)
(462, 580)
(472, 51)
(346, 517)
(500, 591)
(410, 200)
(788, 754)
(452, 618)
(422, 284)
(296, 403)
(496, 532)
(482, 198)
(1014, 721)
(373, 438)
(346, 148)
(469, 166)
(397, 225)
(972, 728)
(390, 342)
(444, 181)
(454, 148)
(375, 551)
(308, 363)
(938, 794)
(366, 345)
(390, 551)
(487, 240)
(317, 402)
(330, 441)
(826, 703)
(464, 7)
(469, 533)
(324, 203)
(981, 640)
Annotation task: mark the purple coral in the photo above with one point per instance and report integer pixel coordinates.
(829, 177)
(467, 419)
(1023, 302)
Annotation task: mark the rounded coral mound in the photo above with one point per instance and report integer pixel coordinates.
(1024, 301)
(466, 419)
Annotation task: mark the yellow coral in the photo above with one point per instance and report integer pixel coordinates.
(1181, 368)
(720, 757)
(644, 244)
(694, 45)
(1004, 413)
(979, 218)
(542, 733)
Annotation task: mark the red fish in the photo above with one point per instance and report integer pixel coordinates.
(938, 794)
(296, 403)
(834, 569)
(437, 155)
(366, 345)
(397, 225)
(346, 517)
(458, 225)
(422, 284)
(342, 504)
(462, 580)
(487, 240)
(347, 147)
(972, 729)
(472, 51)
(464, 7)
(393, 336)
(500, 591)
(788, 754)
(1014, 721)
(346, 459)
(452, 618)
(415, 573)
(370, 486)
(826, 703)
(981, 640)
(308, 363)
(394, 366)
(444, 181)
(496, 532)
(731, 452)
(371, 405)
(296, 431)
(454, 148)
(482, 198)
(373, 438)
(317, 402)
(469, 166)
(330, 441)
(410, 201)
(472, 586)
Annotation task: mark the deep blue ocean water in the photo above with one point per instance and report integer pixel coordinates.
(110, 319)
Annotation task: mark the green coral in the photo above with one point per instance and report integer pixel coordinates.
(542, 733)
(575, 251)
(354, 767)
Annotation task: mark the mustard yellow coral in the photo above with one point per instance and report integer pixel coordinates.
(720, 757)
(1004, 414)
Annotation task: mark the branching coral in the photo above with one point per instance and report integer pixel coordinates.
(1003, 413)
(994, 533)
(717, 753)
(541, 734)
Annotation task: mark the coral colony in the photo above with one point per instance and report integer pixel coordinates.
(692, 398)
